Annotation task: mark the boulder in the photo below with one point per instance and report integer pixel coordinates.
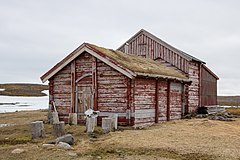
(48, 145)
(18, 151)
(73, 154)
(68, 138)
(64, 145)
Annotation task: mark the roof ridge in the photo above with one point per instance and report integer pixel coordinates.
(147, 33)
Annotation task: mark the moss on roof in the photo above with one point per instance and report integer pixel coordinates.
(139, 64)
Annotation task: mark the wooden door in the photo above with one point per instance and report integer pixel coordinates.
(85, 100)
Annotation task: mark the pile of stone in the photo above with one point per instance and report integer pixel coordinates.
(63, 142)
(212, 113)
(224, 116)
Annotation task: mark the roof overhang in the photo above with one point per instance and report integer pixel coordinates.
(182, 80)
(211, 72)
(81, 49)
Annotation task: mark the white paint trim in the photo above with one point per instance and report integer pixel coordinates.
(83, 48)
(77, 53)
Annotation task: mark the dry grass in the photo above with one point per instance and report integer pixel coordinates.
(184, 139)
(139, 64)
(23, 89)
(234, 111)
(229, 100)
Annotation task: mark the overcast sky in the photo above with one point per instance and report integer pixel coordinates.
(35, 35)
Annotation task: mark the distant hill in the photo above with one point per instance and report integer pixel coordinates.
(229, 100)
(23, 89)
(35, 90)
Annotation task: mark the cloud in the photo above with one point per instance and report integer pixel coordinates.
(35, 35)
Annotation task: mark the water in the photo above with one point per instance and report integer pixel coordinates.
(16, 103)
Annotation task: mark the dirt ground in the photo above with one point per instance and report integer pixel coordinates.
(181, 140)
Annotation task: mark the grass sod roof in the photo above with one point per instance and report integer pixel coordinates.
(139, 65)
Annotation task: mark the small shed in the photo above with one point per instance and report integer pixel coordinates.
(140, 90)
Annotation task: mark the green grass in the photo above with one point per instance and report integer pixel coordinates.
(23, 89)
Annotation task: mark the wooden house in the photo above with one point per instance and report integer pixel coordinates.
(140, 90)
(203, 89)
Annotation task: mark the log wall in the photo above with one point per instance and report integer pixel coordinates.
(62, 90)
(134, 100)
(175, 101)
(144, 101)
(193, 90)
(83, 67)
(112, 91)
(162, 92)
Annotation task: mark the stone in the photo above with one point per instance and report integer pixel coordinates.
(48, 145)
(68, 138)
(73, 154)
(106, 124)
(72, 120)
(18, 151)
(188, 116)
(64, 145)
(51, 142)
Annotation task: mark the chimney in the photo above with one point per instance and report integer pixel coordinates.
(126, 48)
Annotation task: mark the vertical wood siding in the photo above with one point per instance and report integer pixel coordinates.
(208, 88)
(193, 90)
(147, 47)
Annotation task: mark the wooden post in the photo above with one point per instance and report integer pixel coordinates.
(156, 102)
(73, 75)
(58, 129)
(55, 118)
(90, 124)
(168, 99)
(106, 124)
(72, 120)
(37, 128)
(55, 114)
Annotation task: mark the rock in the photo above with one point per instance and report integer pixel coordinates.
(202, 110)
(64, 145)
(48, 145)
(51, 142)
(18, 151)
(106, 125)
(73, 154)
(201, 116)
(221, 116)
(188, 116)
(68, 138)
